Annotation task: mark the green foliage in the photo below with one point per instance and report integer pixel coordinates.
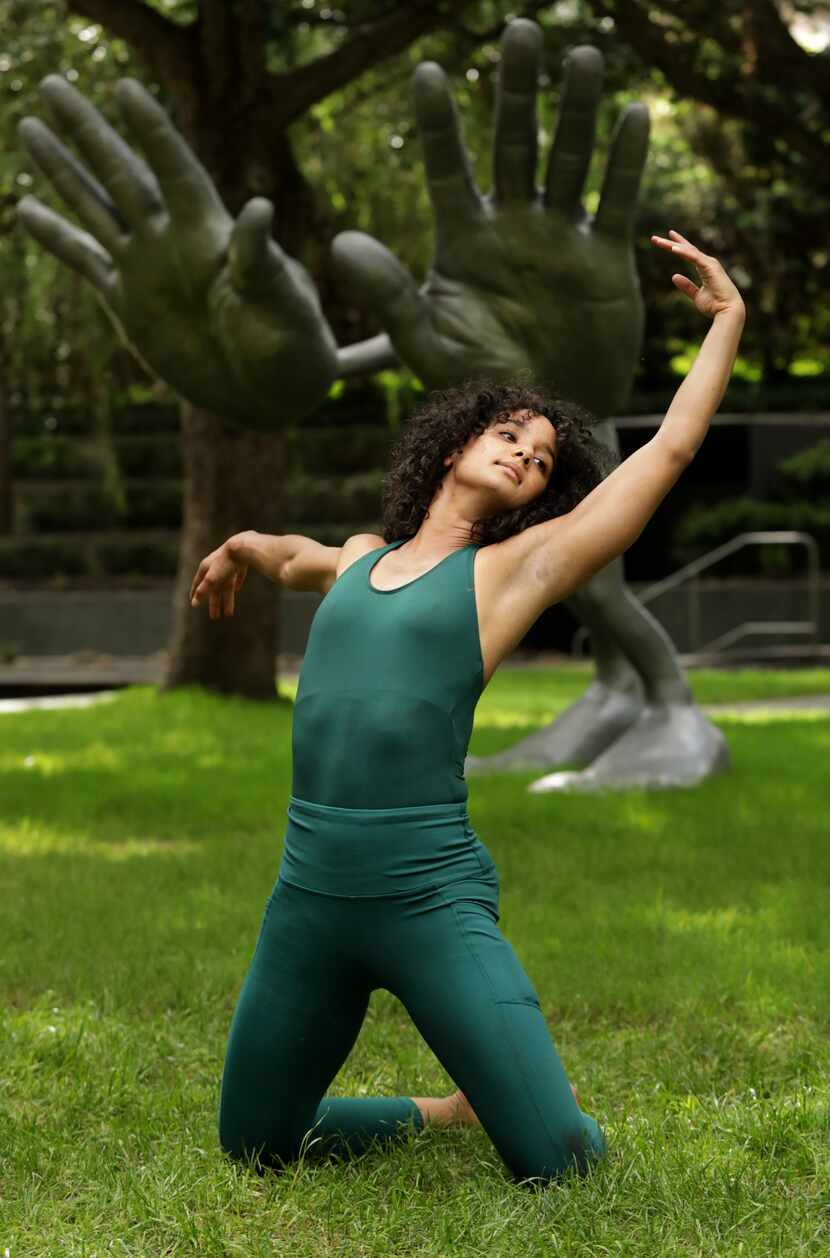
(801, 501)
(137, 558)
(48, 558)
(35, 558)
(54, 457)
(157, 454)
(738, 190)
(320, 497)
(335, 451)
(153, 504)
(70, 508)
(705, 527)
(138, 414)
(809, 470)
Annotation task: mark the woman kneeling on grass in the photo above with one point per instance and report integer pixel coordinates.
(497, 509)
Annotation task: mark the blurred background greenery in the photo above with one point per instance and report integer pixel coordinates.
(90, 455)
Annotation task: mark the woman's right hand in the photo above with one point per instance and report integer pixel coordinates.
(217, 579)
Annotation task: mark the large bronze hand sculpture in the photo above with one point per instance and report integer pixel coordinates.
(522, 280)
(526, 280)
(213, 306)
(222, 314)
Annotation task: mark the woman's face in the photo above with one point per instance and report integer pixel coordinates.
(515, 457)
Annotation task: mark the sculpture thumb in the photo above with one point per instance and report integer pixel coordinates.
(368, 272)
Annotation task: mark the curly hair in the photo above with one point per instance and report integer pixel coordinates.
(444, 424)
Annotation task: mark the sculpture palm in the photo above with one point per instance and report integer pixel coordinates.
(214, 306)
(523, 280)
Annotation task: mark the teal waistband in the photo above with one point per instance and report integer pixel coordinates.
(356, 852)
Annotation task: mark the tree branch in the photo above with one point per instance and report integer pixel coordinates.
(167, 49)
(737, 97)
(780, 52)
(295, 91)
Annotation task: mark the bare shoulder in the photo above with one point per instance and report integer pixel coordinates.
(354, 548)
(516, 580)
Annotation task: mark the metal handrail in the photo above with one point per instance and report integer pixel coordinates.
(767, 537)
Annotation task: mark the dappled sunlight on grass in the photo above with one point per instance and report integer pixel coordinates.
(28, 838)
(721, 921)
(774, 716)
(49, 764)
(492, 717)
(287, 686)
(639, 813)
(554, 688)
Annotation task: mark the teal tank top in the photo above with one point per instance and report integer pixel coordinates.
(388, 687)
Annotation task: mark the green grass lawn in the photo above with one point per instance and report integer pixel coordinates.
(679, 940)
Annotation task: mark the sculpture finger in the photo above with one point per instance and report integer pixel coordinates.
(128, 180)
(68, 243)
(452, 190)
(258, 265)
(73, 183)
(570, 155)
(187, 187)
(379, 282)
(515, 141)
(626, 162)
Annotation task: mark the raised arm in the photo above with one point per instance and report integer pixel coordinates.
(606, 522)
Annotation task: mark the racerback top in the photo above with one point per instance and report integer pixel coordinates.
(388, 687)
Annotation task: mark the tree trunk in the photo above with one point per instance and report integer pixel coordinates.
(6, 501)
(233, 480)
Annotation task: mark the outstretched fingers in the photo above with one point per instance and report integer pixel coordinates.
(717, 292)
(452, 190)
(570, 155)
(515, 138)
(74, 185)
(187, 187)
(68, 243)
(128, 181)
(626, 162)
(675, 243)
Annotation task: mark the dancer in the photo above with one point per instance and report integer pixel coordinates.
(497, 509)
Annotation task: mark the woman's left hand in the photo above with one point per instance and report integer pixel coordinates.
(716, 293)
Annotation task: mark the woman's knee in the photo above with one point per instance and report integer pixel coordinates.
(577, 1147)
(245, 1138)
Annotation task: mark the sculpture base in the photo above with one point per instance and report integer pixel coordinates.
(580, 734)
(668, 746)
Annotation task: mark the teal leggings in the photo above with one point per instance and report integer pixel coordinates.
(406, 900)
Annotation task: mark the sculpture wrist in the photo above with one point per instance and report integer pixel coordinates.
(365, 357)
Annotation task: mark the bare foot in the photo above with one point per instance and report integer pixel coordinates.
(446, 1111)
(464, 1110)
(453, 1111)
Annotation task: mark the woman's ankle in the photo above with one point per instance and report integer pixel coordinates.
(445, 1111)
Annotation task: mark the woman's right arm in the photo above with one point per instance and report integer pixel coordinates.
(289, 558)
